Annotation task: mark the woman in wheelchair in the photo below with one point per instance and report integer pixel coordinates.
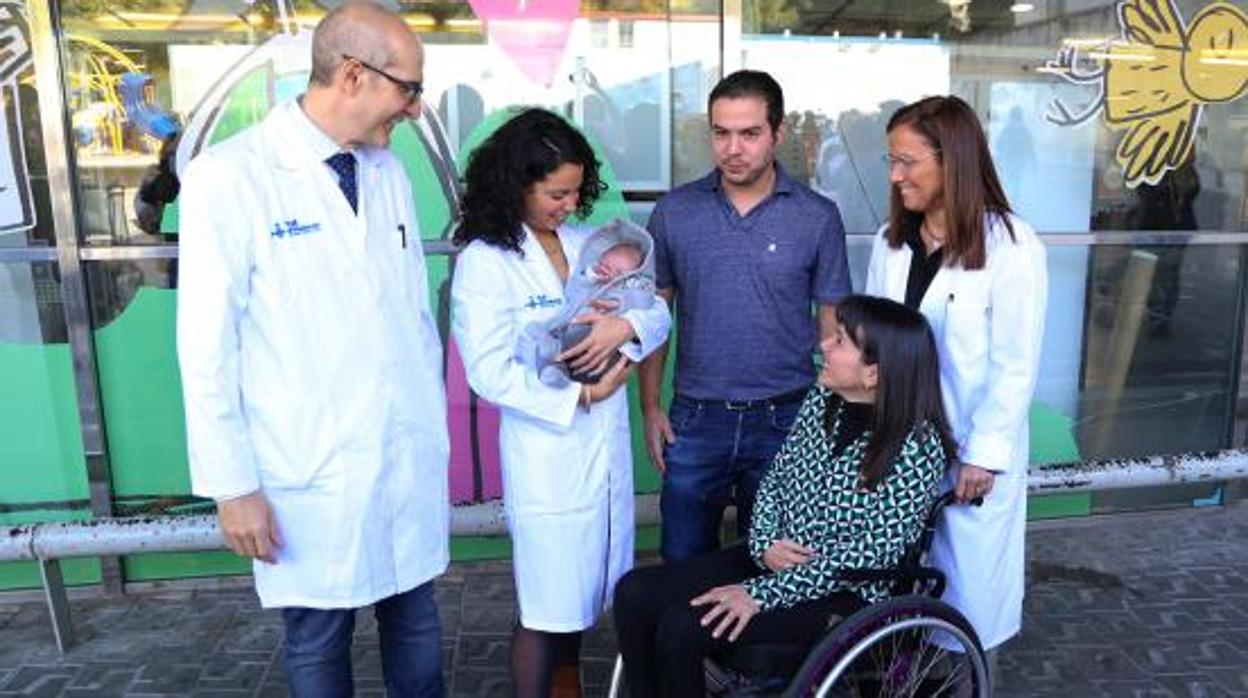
(849, 489)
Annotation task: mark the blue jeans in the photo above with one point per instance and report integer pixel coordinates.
(318, 647)
(719, 458)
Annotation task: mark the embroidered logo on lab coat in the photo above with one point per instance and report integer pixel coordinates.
(293, 228)
(541, 300)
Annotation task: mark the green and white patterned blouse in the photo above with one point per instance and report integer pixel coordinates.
(813, 498)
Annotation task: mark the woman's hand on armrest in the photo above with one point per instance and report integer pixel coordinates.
(973, 481)
(784, 553)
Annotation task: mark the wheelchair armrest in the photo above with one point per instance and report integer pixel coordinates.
(854, 574)
(909, 570)
(933, 579)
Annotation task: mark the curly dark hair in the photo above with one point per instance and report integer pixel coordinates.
(522, 152)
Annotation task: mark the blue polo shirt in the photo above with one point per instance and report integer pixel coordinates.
(745, 285)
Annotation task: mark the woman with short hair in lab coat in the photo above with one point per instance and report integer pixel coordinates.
(565, 450)
(953, 249)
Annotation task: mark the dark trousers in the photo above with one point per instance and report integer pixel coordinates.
(719, 458)
(318, 647)
(661, 636)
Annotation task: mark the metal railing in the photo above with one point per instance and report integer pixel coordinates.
(49, 543)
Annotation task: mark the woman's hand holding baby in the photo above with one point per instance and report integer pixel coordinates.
(607, 334)
(610, 381)
(604, 305)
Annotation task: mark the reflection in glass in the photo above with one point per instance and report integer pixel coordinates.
(1161, 347)
(133, 76)
(113, 286)
(140, 75)
(1149, 366)
(31, 310)
(25, 209)
(636, 75)
(836, 136)
(133, 323)
(1147, 363)
(915, 18)
(43, 476)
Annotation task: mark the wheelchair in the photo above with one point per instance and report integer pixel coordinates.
(909, 645)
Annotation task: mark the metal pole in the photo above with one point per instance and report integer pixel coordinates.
(151, 534)
(1149, 471)
(49, 79)
(15, 543)
(58, 603)
(49, 542)
(732, 51)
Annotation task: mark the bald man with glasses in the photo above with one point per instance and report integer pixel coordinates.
(311, 364)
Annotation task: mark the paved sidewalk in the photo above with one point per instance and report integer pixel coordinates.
(1152, 604)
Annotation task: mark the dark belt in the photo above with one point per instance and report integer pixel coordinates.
(789, 398)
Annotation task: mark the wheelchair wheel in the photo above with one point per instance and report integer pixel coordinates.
(908, 646)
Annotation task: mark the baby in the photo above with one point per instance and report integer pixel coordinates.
(620, 259)
(617, 276)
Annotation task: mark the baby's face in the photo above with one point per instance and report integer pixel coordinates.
(618, 260)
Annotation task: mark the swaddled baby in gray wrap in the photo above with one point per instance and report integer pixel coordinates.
(614, 274)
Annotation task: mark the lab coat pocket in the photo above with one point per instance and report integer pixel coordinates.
(544, 471)
(966, 330)
(392, 253)
(293, 267)
(289, 444)
(554, 486)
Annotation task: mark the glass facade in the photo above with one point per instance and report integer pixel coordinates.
(1129, 160)
(1142, 347)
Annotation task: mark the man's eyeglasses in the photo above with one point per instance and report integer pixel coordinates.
(411, 89)
(905, 162)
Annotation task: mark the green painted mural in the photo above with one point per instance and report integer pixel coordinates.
(45, 475)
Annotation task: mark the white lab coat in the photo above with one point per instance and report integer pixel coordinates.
(567, 472)
(311, 365)
(988, 325)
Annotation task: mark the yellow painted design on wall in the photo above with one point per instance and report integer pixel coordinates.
(1155, 81)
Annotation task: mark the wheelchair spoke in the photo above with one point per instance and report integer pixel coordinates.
(925, 664)
(929, 668)
(913, 673)
(907, 654)
(914, 666)
(953, 679)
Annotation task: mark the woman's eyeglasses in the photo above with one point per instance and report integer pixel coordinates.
(905, 162)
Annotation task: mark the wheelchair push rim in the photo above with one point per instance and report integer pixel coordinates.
(902, 648)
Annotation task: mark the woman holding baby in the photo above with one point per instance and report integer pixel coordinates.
(565, 445)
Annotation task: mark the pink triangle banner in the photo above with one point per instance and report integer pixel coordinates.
(533, 33)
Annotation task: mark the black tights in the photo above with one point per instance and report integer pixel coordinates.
(534, 657)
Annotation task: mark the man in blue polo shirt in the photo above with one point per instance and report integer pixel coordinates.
(746, 253)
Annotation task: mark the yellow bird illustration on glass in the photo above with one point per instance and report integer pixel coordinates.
(1156, 79)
